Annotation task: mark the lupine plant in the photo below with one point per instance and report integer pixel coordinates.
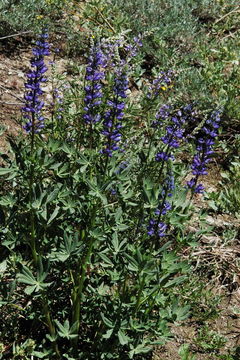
(89, 251)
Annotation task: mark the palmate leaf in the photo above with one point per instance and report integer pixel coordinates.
(35, 283)
(139, 349)
(71, 246)
(96, 190)
(65, 331)
(115, 242)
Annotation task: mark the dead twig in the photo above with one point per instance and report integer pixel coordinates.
(10, 93)
(10, 103)
(231, 34)
(236, 10)
(18, 34)
(104, 19)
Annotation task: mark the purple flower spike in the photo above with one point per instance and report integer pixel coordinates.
(93, 89)
(156, 226)
(115, 114)
(204, 151)
(174, 133)
(33, 106)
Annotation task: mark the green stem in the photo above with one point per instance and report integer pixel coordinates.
(80, 279)
(142, 283)
(32, 221)
(50, 325)
(32, 213)
(139, 177)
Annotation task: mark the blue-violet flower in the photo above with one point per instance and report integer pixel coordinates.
(114, 115)
(204, 151)
(93, 89)
(33, 106)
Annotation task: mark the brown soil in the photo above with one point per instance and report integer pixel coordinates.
(226, 325)
(13, 66)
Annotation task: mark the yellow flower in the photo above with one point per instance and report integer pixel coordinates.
(39, 17)
(163, 88)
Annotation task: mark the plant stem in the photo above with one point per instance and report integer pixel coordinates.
(80, 279)
(32, 220)
(139, 295)
(50, 324)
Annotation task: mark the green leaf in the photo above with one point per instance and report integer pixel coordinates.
(52, 196)
(107, 261)
(65, 331)
(212, 205)
(36, 204)
(63, 171)
(52, 338)
(67, 149)
(92, 185)
(122, 337)
(7, 200)
(55, 166)
(5, 171)
(97, 193)
(53, 145)
(30, 289)
(176, 281)
(82, 160)
(108, 334)
(54, 214)
(140, 349)
(182, 313)
(184, 352)
(36, 283)
(107, 322)
(103, 289)
(2, 127)
(132, 263)
(3, 266)
(43, 212)
(115, 242)
(26, 277)
(41, 355)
